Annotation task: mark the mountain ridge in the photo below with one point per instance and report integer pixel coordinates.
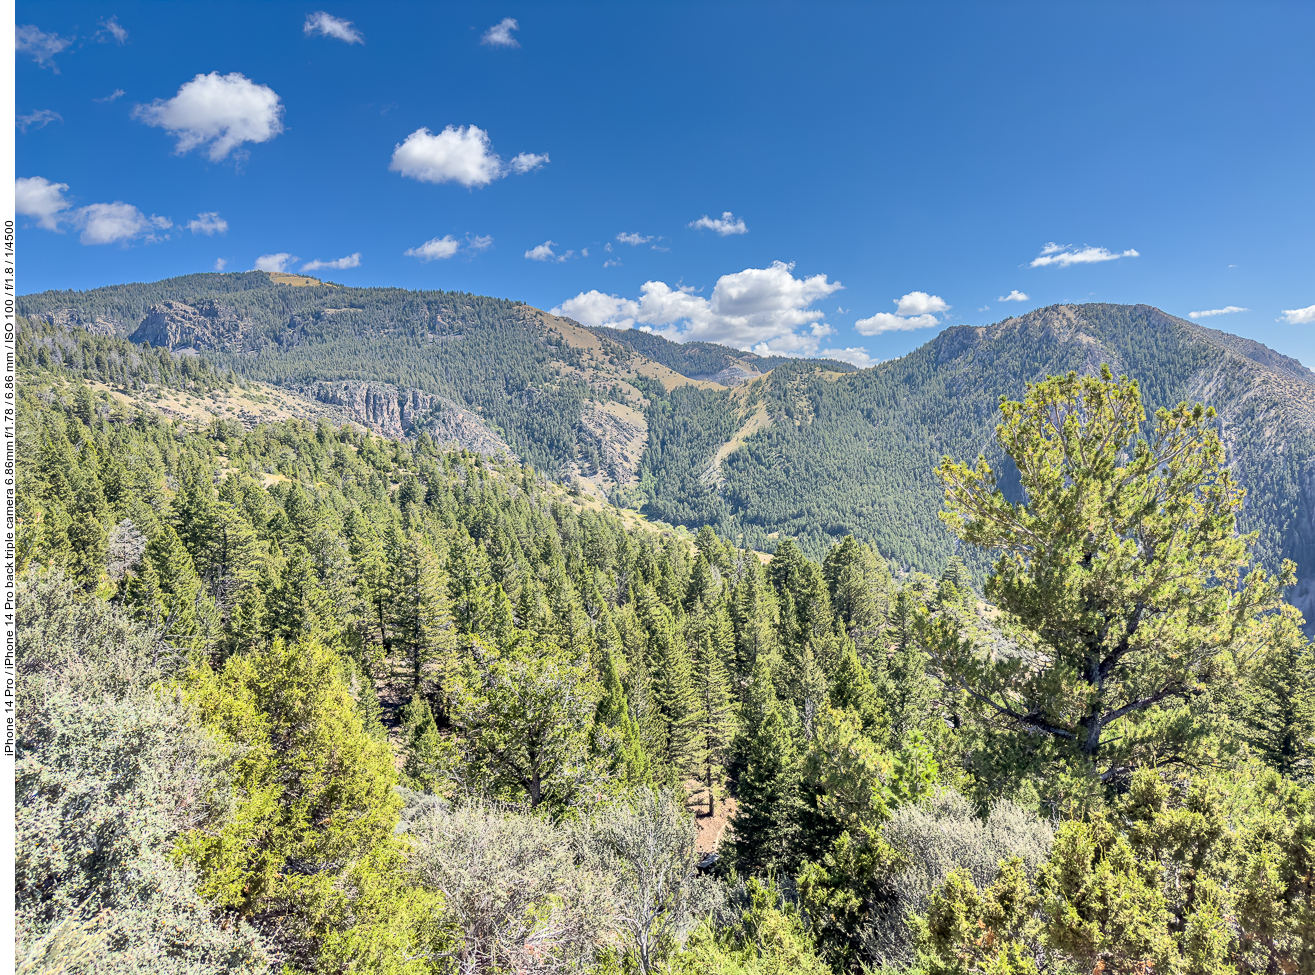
(809, 449)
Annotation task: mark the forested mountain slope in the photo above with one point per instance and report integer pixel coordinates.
(797, 448)
(815, 454)
(544, 389)
(706, 360)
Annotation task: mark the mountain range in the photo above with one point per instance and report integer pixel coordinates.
(761, 448)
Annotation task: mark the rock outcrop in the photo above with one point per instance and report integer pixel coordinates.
(74, 318)
(397, 413)
(176, 326)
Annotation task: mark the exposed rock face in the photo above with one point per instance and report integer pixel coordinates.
(95, 324)
(209, 325)
(399, 413)
(619, 433)
(731, 376)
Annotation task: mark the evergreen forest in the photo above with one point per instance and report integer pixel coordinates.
(296, 697)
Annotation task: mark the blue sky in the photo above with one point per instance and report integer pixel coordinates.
(887, 169)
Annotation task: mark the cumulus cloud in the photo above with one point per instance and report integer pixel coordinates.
(99, 223)
(1063, 255)
(458, 154)
(544, 252)
(441, 248)
(41, 46)
(112, 30)
(327, 25)
(634, 240)
(118, 222)
(920, 303)
(499, 35)
(36, 196)
(115, 95)
(208, 224)
(1014, 295)
(759, 309)
(1299, 316)
(219, 263)
(437, 249)
(917, 309)
(726, 225)
(340, 264)
(526, 162)
(1211, 312)
(38, 119)
(854, 356)
(274, 262)
(884, 321)
(612, 262)
(219, 111)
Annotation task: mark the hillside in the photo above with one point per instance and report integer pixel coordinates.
(489, 374)
(762, 448)
(815, 454)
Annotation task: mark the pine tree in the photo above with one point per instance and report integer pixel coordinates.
(674, 699)
(87, 531)
(712, 640)
(754, 615)
(767, 793)
(852, 690)
(1278, 709)
(859, 582)
(427, 754)
(420, 607)
(298, 606)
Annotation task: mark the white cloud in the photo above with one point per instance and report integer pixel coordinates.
(527, 162)
(1014, 295)
(274, 262)
(114, 29)
(437, 249)
(38, 119)
(100, 223)
(327, 25)
(36, 196)
(116, 94)
(109, 223)
(757, 308)
(340, 264)
(219, 263)
(1300, 316)
(612, 262)
(920, 303)
(221, 111)
(544, 252)
(1211, 312)
(854, 356)
(634, 240)
(42, 46)
(499, 35)
(208, 224)
(884, 321)
(917, 309)
(441, 248)
(1063, 255)
(458, 154)
(726, 225)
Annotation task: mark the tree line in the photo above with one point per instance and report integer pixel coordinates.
(304, 696)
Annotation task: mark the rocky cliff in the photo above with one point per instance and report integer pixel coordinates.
(205, 326)
(394, 412)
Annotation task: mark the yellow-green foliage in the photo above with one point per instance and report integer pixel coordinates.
(312, 834)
